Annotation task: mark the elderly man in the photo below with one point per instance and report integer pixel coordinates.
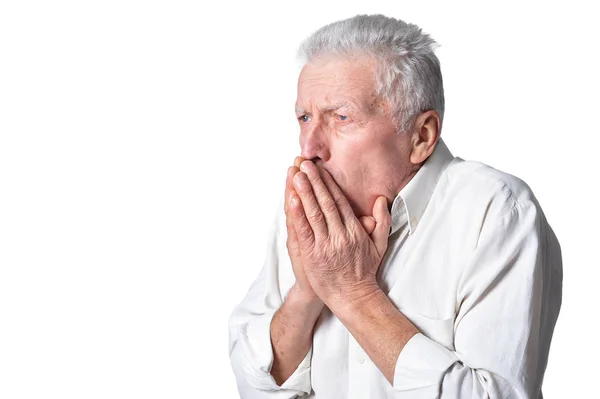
(394, 269)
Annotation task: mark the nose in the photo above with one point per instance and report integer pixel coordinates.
(313, 142)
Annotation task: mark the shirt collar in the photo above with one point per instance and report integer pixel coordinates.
(410, 203)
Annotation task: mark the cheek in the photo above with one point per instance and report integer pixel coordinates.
(350, 169)
(361, 160)
(371, 166)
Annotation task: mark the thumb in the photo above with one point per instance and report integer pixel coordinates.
(383, 221)
(368, 223)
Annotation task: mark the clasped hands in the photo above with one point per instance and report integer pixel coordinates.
(335, 255)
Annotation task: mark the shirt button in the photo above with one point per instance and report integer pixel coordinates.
(361, 360)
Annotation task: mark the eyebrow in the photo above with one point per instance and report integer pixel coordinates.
(327, 108)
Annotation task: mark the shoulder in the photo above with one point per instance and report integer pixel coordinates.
(475, 184)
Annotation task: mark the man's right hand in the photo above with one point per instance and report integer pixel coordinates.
(302, 287)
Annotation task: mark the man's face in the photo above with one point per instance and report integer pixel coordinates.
(348, 130)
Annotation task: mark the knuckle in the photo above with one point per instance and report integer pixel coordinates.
(341, 202)
(292, 249)
(341, 241)
(330, 206)
(289, 224)
(303, 189)
(316, 216)
(305, 230)
(314, 178)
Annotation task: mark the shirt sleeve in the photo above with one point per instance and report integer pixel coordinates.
(250, 347)
(509, 298)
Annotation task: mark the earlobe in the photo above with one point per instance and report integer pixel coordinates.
(417, 156)
(425, 136)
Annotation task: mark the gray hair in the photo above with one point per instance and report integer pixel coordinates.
(408, 73)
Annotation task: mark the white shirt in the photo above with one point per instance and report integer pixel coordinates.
(471, 262)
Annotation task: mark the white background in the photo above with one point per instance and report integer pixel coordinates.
(143, 151)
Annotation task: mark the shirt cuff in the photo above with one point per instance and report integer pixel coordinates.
(421, 366)
(258, 352)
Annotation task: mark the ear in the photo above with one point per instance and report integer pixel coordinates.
(424, 136)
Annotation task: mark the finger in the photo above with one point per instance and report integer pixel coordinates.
(344, 209)
(292, 240)
(312, 210)
(292, 170)
(383, 221)
(368, 223)
(323, 196)
(298, 161)
(304, 232)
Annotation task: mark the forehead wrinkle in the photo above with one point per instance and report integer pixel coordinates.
(359, 89)
(333, 107)
(337, 82)
(327, 108)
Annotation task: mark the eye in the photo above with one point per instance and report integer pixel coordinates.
(303, 118)
(342, 117)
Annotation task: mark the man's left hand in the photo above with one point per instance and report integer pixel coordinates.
(340, 259)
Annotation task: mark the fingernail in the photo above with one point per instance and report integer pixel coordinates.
(304, 166)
